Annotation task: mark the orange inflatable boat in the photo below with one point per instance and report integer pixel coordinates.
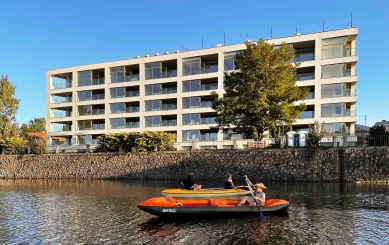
(173, 207)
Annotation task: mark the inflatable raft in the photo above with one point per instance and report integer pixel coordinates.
(173, 207)
(207, 193)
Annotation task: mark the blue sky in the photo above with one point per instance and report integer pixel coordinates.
(36, 36)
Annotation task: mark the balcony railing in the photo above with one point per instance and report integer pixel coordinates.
(132, 109)
(98, 111)
(337, 52)
(132, 124)
(98, 126)
(169, 123)
(350, 92)
(345, 113)
(97, 81)
(60, 115)
(133, 93)
(304, 57)
(167, 107)
(61, 100)
(306, 114)
(206, 104)
(61, 86)
(208, 120)
(171, 90)
(305, 76)
(132, 78)
(60, 129)
(98, 96)
(171, 73)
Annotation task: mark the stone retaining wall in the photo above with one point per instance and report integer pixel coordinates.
(334, 164)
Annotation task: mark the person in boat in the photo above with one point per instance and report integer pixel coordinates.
(189, 183)
(228, 184)
(259, 196)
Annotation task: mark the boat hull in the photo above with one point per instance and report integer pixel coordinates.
(172, 207)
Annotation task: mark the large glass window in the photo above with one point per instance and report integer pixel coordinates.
(153, 70)
(191, 102)
(117, 108)
(331, 71)
(330, 110)
(117, 92)
(190, 119)
(84, 78)
(152, 89)
(207, 136)
(189, 135)
(210, 66)
(84, 125)
(191, 66)
(84, 110)
(334, 129)
(333, 47)
(190, 86)
(153, 121)
(84, 139)
(153, 105)
(117, 122)
(332, 90)
(84, 95)
(229, 61)
(117, 74)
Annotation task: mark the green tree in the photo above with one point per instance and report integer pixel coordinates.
(378, 136)
(37, 145)
(154, 141)
(315, 134)
(260, 93)
(8, 108)
(37, 125)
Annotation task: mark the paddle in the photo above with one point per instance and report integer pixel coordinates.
(261, 216)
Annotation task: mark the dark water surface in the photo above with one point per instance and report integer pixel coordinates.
(104, 212)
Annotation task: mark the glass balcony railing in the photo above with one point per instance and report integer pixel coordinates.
(205, 104)
(167, 107)
(171, 90)
(97, 81)
(61, 86)
(61, 128)
(133, 93)
(305, 76)
(132, 109)
(208, 137)
(98, 126)
(60, 100)
(132, 124)
(336, 51)
(208, 120)
(98, 111)
(306, 114)
(350, 72)
(350, 92)
(132, 78)
(60, 115)
(171, 73)
(98, 96)
(304, 57)
(95, 141)
(169, 123)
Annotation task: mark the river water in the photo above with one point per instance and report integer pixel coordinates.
(104, 212)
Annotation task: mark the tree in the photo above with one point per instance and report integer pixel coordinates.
(37, 145)
(315, 134)
(37, 125)
(260, 93)
(8, 108)
(154, 141)
(378, 136)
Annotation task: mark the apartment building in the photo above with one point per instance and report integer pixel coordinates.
(171, 92)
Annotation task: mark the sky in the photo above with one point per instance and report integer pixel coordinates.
(36, 36)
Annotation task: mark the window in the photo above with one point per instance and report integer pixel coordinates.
(117, 92)
(117, 122)
(153, 105)
(189, 135)
(229, 61)
(332, 90)
(330, 110)
(208, 136)
(209, 86)
(84, 110)
(84, 95)
(190, 119)
(117, 74)
(191, 102)
(333, 47)
(84, 139)
(152, 89)
(334, 129)
(332, 71)
(84, 78)
(190, 86)
(84, 125)
(153, 121)
(210, 66)
(191, 66)
(117, 108)
(153, 70)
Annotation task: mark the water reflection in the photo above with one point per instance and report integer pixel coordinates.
(104, 212)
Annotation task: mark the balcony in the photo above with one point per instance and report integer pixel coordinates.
(169, 106)
(61, 86)
(98, 111)
(132, 125)
(61, 81)
(306, 114)
(304, 57)
(132, 93)
(60, 99)
(207, 103)
(132, 109)
(171, 122)
(335, 51)
(208, 120)
(305, 76)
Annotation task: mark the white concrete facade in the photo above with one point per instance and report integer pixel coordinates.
(73, 118)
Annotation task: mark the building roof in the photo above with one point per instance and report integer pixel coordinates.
(383, 123)
(359, 128)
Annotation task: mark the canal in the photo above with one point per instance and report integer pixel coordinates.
(104, 212)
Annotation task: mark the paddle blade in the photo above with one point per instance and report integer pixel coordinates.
(261, 216)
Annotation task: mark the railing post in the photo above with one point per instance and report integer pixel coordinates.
(334, 141)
